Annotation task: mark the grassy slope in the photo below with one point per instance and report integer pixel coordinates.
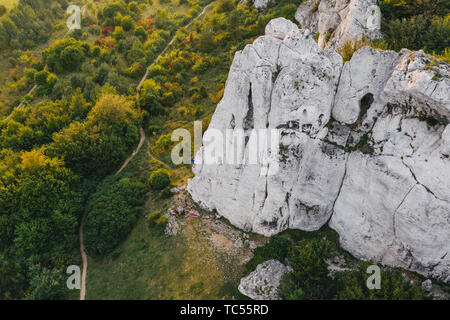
(151, 265)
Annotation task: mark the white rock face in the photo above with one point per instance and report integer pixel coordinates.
(277, 83)
(365, 146)
(262, 4)
(338, 21)
(262, 283)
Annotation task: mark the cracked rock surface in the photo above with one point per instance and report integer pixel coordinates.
(262, 283)
(338, 21)
(364, 146)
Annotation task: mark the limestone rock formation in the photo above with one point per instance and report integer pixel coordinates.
(394, 204)
(262, 4)
(365, 146)
(277, 83)
(262, 283)
(259, 5)
(338, 21)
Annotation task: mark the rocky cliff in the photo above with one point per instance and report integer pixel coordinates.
(338, 21)
(365, 147)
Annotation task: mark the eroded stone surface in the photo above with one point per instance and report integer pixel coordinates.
(338, 21)
(262, 284)
(366, 144)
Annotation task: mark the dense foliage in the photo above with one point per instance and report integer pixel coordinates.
(98, 145)
(30, 23)
(312, 279)
(394, 286)
(277, 248)
(110, 214)
(416, 24)
(159, 179)
(310, 275)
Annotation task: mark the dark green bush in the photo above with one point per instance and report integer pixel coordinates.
(394, 286)
(111, 214)
(307, 258)
(45, 284)
(166, 193)
(159, 179)
(277, 248)
(416, 24)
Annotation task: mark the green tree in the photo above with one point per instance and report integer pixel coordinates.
(99, 144)
(45, 284)
(111, 214)
(394, 285)
(65, 55)
(149, 98)
(307, 258)
(159, 179)
(2, 10)
(118, 33)
(127, 23)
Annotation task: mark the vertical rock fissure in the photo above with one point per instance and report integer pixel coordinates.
(340, 188)
(336, 90)
(273, 86)
(249, 122)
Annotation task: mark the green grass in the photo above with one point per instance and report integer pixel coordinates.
(152, 265)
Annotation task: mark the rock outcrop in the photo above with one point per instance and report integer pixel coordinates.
(259, 5)
(365, 146)
(338, 21)
(262, 4)
(262, 284)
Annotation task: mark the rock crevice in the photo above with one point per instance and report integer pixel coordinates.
(364, 146)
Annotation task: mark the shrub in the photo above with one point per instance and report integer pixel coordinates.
(45, 284)
(66, 54)
(162, 221)
(152, 217)
(45, 80)
(159, 179)
(133, 6)
(111, 214)
(394, 286)
(140, 33)
(157, 219)
(149, 98)
(277, 248)
(40, 78)
(350, 47)
(166, 193)
(416, 25)
(127, 23)
(99, 144)
(310, 273)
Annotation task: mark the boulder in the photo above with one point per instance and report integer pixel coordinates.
(262, 284)
(261, 5)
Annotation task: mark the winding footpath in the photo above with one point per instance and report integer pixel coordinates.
(127, 161)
